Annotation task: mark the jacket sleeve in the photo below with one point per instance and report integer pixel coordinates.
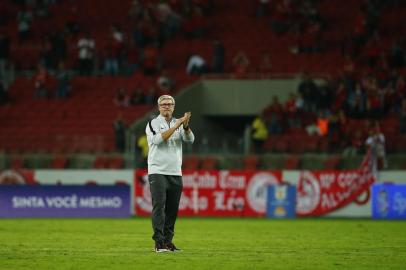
(153, 132)
(189, 138)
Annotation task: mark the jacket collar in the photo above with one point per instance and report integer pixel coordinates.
(161, 118)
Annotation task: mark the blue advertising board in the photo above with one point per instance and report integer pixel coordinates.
(281, 201)
(389, 201)
(64, 201)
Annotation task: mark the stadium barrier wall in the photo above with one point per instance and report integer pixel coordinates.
(223, 189)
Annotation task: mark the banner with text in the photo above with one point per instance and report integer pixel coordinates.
(321, 192)
(214, 193)
(64, 201)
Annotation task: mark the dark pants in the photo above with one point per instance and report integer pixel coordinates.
(165, 192)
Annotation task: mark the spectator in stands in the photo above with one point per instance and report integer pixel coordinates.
(136, 11)
(402, 117)
(59, 47)
(357, 103)
(372, 51)
(137, 97)
(262, 8)
(41, 79)
(259, 134)
(4, 55)
(392, 99)
(46, 53)
(280, 18)
(353, 144)
(309, 91)
(111, 57)
(299, 103)
(323, 123)
(120, 128)
(349, 68)
(142, 145)
(376, 144)
(241, 63)
(374, 104)
(334, 125)
(196, 65)
(169, 20)
(397, 55)
(5, 13)
(129, 60)
(321, 126)
(325, 97)
(86, 48)
(151, 96)
(193, 23)
(122, 99)
(24, 20)
(218, 56)
(165, 83)
(72, 21)
(265, 64)
(273, 115)
(63, 81)
(337, 130)
(340, 97)
(117, 35)
(308, 41)
(4, 99)
(205, 5)
(145, 31)
(400, 86)
(291, 112)
(42, 9)
(118, 41)
(151, 60)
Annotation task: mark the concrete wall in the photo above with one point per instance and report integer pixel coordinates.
(244, 97)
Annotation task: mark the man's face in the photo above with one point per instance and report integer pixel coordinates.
(166, 107)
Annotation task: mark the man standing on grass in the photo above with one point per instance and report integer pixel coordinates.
(165, 135)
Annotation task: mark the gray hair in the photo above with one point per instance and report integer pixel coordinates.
(165, 97)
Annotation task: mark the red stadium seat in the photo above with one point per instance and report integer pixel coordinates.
(59, 162)
(101, 162)
(292, 162)
(17, 163)
(116, 162)
(331, 163)
(209, 163)
(251, 162)
(191, 162)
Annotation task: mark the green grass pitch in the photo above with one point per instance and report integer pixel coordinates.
(207, 244)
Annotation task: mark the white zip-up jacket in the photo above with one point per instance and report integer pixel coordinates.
(165, 157)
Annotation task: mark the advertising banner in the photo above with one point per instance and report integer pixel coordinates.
(281, 202)
(321, 192)
(214, 193)
(17, 177)
(64, 201)
(389, 201)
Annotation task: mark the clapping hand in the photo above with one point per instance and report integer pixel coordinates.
(187, 118)
(183, 120)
